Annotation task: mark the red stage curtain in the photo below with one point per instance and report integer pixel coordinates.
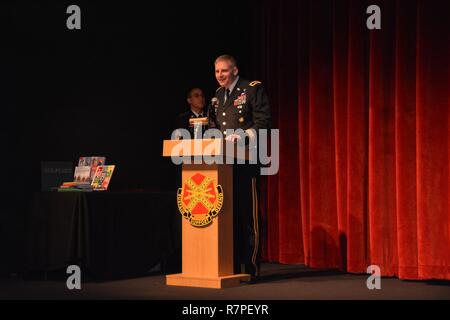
(364, 135)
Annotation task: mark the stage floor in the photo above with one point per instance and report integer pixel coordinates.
(279, 282)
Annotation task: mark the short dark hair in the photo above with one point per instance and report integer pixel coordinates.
(226, 57)
(189, 93)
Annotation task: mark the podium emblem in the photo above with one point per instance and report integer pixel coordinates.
(199, 200)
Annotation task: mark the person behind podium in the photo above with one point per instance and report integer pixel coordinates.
(242, 104)
(196, 101)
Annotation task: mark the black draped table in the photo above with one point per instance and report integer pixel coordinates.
(109, 234)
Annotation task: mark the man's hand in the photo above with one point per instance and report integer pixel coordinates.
(233, 138)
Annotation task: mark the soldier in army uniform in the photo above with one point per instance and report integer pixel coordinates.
(196, 101)
(242, 104)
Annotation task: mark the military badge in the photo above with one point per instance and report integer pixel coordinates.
(242, 99)
(199, 200)
(254, 83)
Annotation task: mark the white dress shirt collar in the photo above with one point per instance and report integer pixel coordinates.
(197, 114)
(231, 87)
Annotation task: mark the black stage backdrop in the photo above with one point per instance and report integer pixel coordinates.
(112, 88)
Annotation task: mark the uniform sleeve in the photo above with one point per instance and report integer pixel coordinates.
(261, 110)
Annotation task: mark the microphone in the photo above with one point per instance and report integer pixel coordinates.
(213, 112)
(215, 104)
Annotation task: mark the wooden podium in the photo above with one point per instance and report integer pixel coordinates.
(207, 251)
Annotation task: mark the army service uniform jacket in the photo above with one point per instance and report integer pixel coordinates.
(246, 108)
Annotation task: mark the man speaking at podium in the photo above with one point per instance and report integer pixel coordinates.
(242, 104)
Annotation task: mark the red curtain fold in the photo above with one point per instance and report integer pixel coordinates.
(405, 140)
(364, 130)
(381, 142)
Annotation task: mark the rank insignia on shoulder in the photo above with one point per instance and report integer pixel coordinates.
(254, 83)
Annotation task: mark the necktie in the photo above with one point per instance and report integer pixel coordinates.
(228, 93)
